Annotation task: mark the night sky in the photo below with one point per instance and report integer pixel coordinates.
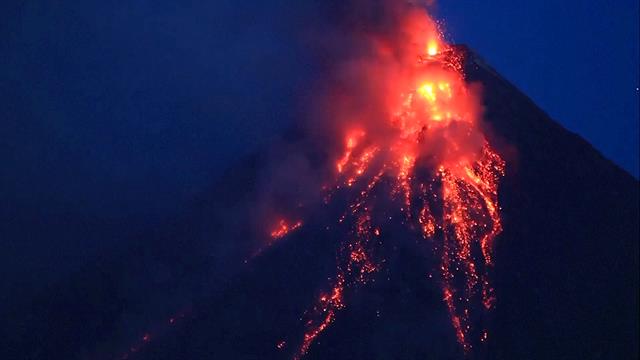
(117, 116)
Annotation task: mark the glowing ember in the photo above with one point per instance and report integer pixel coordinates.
(283, 228)
(149, 337)
(434, 163)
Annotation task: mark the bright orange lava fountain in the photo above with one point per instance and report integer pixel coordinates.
(441, 170)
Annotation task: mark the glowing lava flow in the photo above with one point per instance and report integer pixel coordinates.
(437, 168)
(283, 228)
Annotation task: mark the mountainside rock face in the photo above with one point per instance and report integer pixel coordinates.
(565, 277)
(567, 261)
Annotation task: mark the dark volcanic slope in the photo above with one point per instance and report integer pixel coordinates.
(102, 309)
(567, 261)
(566, 272)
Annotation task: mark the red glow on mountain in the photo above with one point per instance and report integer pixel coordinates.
(283, 228)
(410, 124)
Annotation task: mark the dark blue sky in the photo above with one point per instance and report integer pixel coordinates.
(122, 114)
(578, 60)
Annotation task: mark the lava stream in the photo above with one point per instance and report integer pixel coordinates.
(435, 164)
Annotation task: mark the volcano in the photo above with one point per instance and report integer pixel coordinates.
(548, 268)
(566, 267)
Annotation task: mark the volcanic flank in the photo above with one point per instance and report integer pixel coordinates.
(441, 235)
(451, 218)
(564, 274)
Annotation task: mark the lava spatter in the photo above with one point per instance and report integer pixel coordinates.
(283, 228)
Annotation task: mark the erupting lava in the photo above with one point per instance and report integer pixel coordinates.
(411, 131)
(284, 228)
